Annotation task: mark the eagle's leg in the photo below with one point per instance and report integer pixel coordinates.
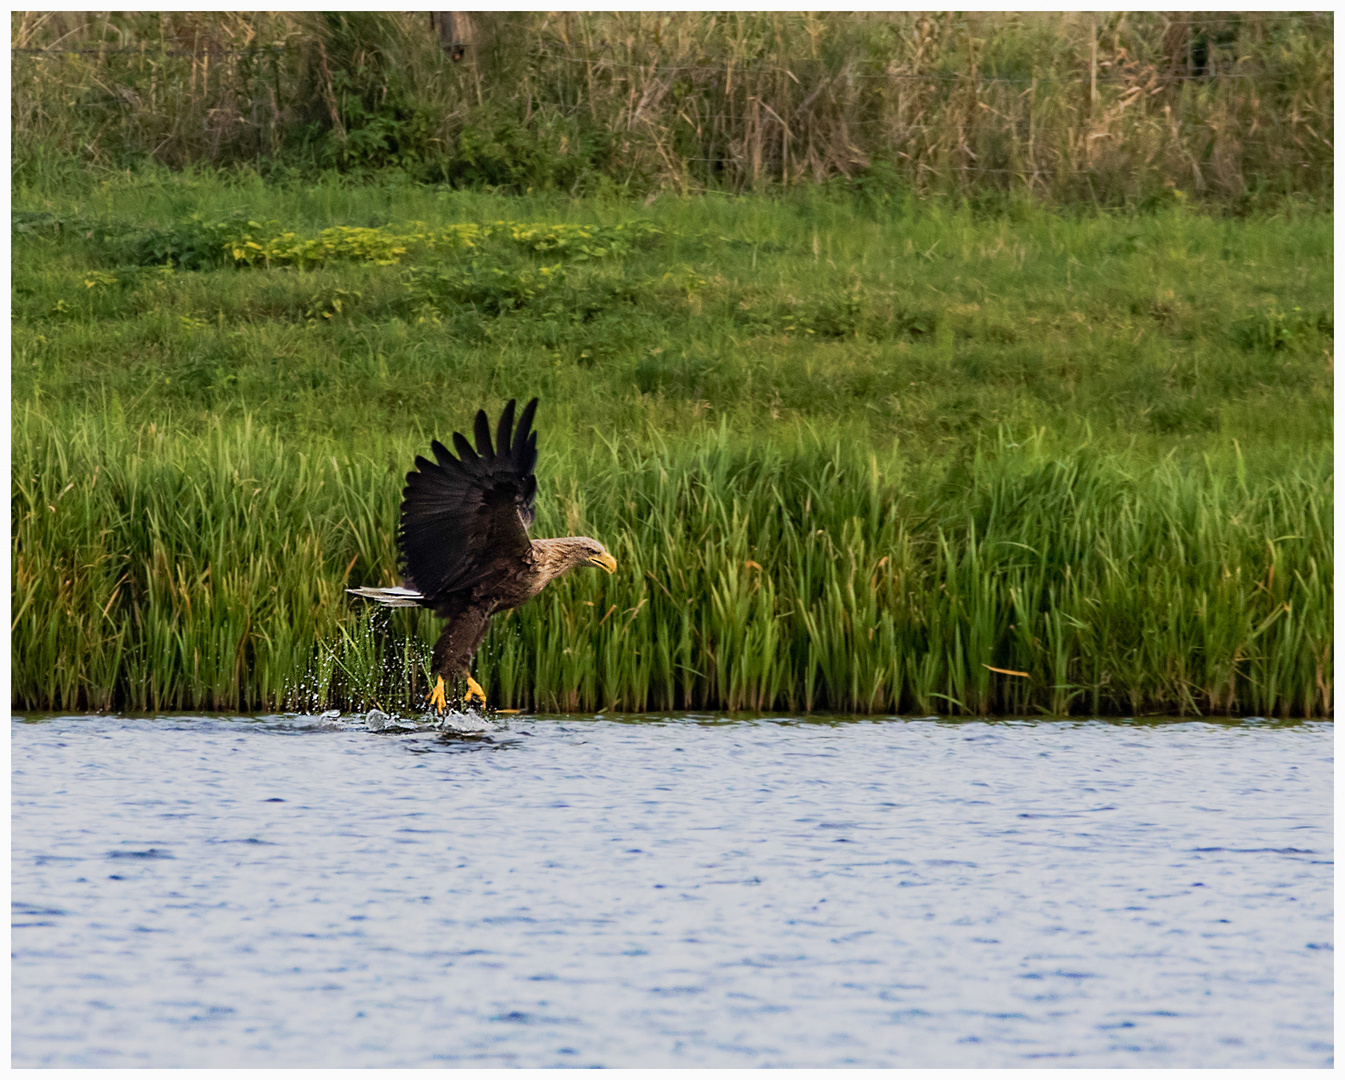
(437, 696)
(453, 651)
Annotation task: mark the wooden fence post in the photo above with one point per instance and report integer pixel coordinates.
(455, 31)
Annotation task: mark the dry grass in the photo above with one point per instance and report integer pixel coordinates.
(1105, 107)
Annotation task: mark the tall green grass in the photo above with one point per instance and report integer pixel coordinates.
(206, 570)
(849, 456)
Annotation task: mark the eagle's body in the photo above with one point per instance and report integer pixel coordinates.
(464, 540)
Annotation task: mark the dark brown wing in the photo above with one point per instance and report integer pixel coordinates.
(466, 518)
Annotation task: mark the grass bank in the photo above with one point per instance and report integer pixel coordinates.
(851, 454)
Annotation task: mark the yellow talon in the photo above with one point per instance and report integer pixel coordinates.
(474, 692)
(437, 696)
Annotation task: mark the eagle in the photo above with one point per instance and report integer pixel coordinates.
(465, 549)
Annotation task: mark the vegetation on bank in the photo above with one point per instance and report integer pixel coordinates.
(851, 454)
(1109, 108)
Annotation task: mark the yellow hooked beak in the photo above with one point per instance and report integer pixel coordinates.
(605, 561)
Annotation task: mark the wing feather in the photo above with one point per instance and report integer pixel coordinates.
(482, 433)
(465, 452)
(505, 432)
(521, 436)
(465, 519)
(442, 454)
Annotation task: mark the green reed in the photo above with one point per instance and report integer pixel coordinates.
(207, 570)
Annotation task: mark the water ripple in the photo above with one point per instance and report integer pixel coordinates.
(684, 891)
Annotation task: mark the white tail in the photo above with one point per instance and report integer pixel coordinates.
(397, 596)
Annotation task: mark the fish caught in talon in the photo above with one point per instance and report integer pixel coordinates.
(465, 549)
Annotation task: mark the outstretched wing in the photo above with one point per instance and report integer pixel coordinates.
(465, 518)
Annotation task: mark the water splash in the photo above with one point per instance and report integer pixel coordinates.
(369, 666)
(376, 720)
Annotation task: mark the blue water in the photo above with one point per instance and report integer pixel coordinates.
(291, 892)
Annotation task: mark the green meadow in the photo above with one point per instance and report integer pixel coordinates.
(853, 452)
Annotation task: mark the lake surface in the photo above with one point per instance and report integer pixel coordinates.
(288, 891)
